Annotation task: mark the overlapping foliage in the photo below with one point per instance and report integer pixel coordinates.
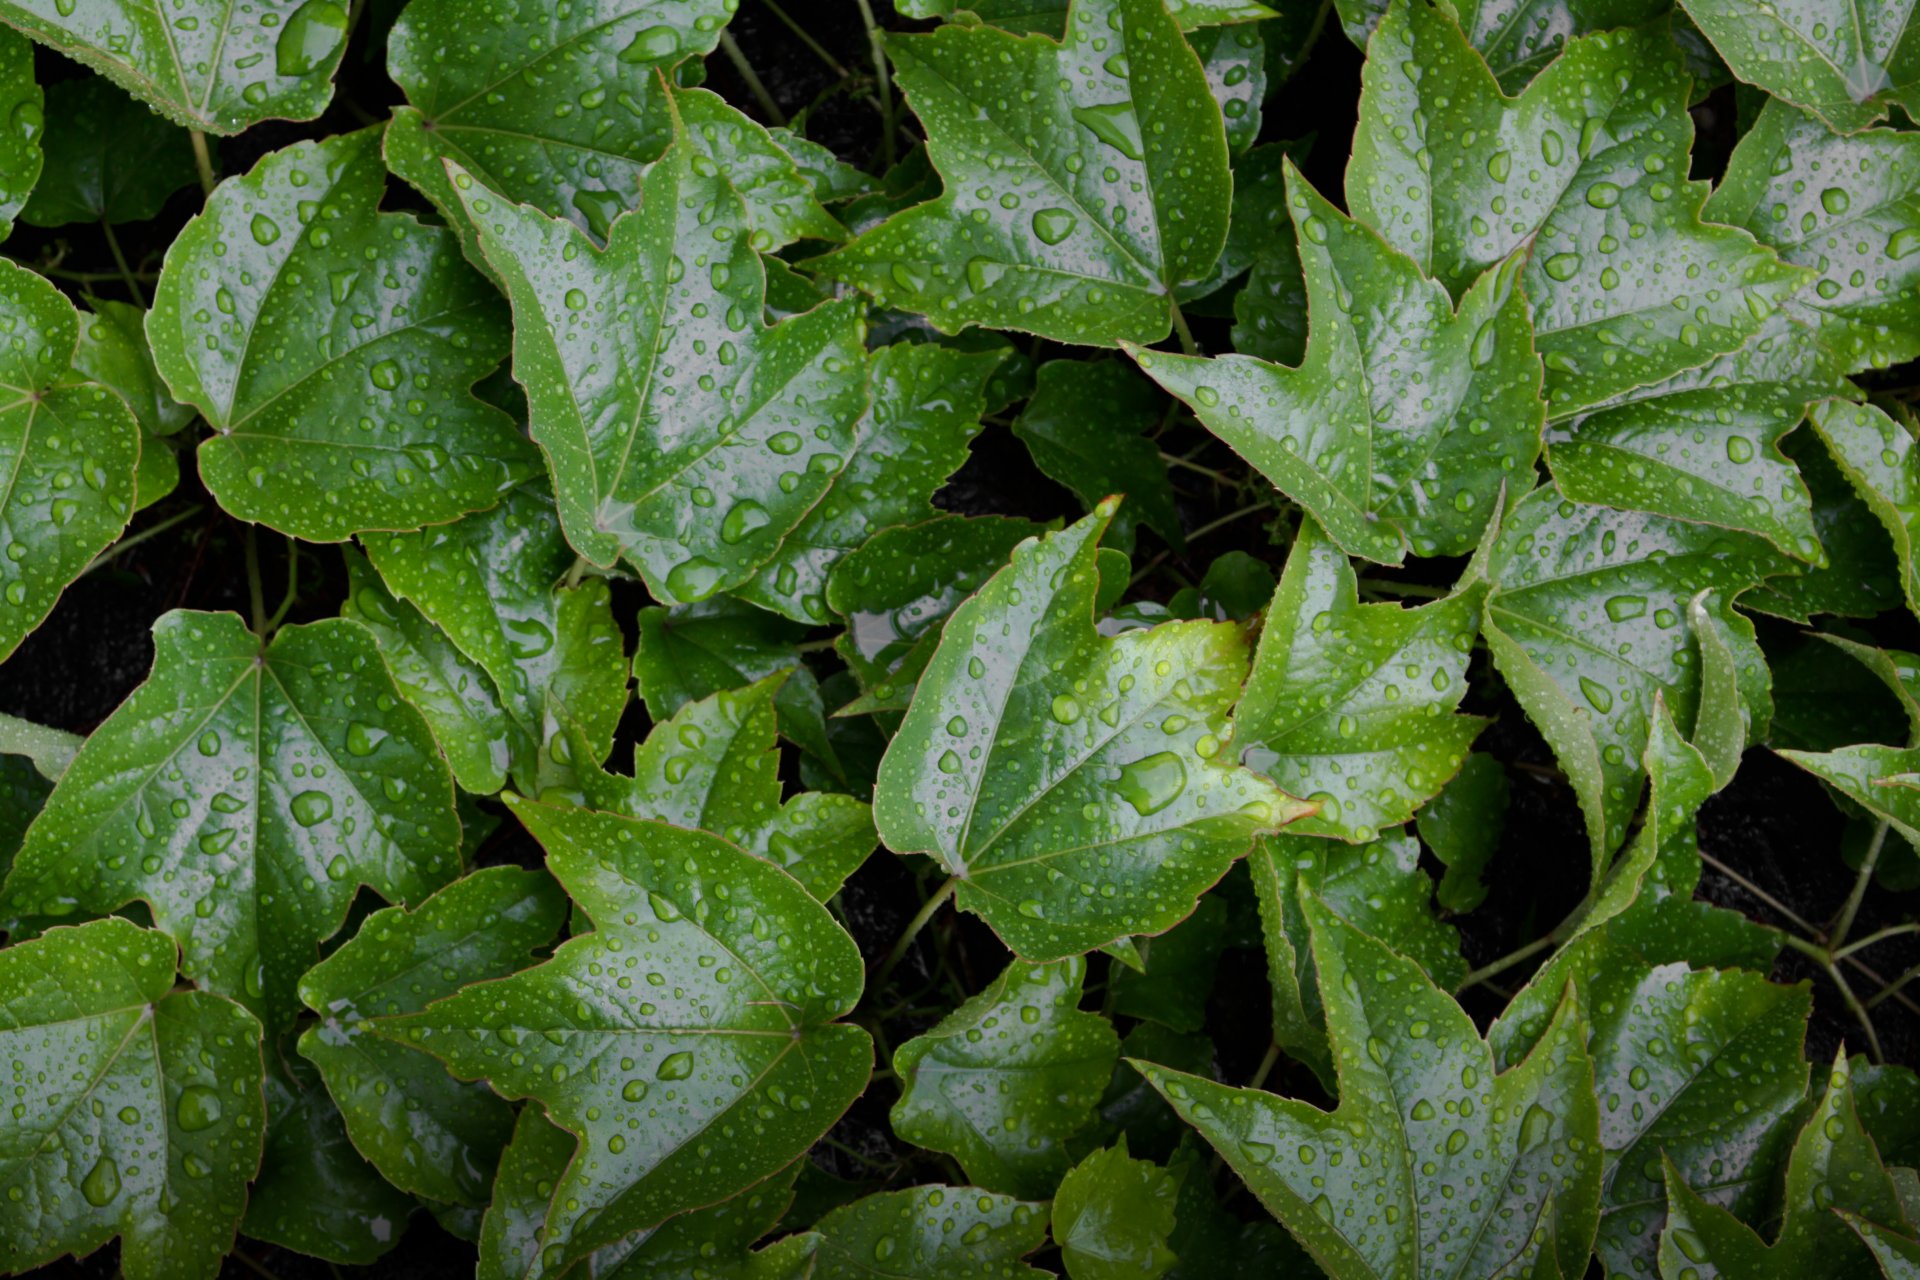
(940, 698)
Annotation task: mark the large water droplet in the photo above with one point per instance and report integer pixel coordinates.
(198, 1108)
(1114, 124)
(651, 45)
(1152, 784)
(310, 38)
(102, 1183)
(1053, 225)
(311, 808)
(676, 1066)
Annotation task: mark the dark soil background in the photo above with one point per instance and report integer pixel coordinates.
(1773, 839)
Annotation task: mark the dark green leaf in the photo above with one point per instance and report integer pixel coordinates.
(1086, 428)
(931, 1233)
(1112, 1217)
(1463, 826)
(109, 158)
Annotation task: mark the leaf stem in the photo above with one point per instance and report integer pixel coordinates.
(912, 931)
(883, 82)
(203, 160)
(1418, 590)
(1218, 477)
(1187, 344)
(755, 86)
(255, 592)
(1506, 962)
(133, 540)
(1265, 1069)
(293, 587)
(805, 38)
(1860, 882)
(1799, 921)
(1214, 525)
(1893, 931)
(1859, 1011)
(120, 260)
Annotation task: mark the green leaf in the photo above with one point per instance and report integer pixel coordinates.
(931, 1233)
(1463, 826)
(24, 108)
(1596, 146)
(1178, 979)
(1270, 311)
(1880, 460)
(682, 433)
(717, 1242)
(246, 793)
(68, 450)
(1112, 1217)
(1086, 428)
(1586, 621)
(1846, 62)
(535, 1158)
(715, 766)
(333, 349)
(690, 651)
(1352, 705)
(137, 1110)
(1050, 15)
(1846, 209)
(204, 64)
(1820, 704)
(315, 1193)
(1040, 756)
(1885, 780)
(1378, 888)
(1421, 1109)
(1085, 180)
(113, 352)
(1833, 1166)
(924, 406)
(427, 1133)
(1405, 417)
(1899, 1257)
(713, 1075)
(1861, 577)
(1701, 1068)
(1517, 40)
(553, 656)
(109, 159)
(1235, 60)
(1006, 1079)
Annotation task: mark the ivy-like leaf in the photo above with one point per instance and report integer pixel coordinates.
(683, 433)
(23, 106)
(1112, 1217)
(1353, 706)
(1833, 1166)
(1587, 622)
(1406, 416)
(332, 348)
(1420, 1101)
(245, 792)
(1270, 311)
(144, 1113)
(1463, 826)
(714, 766)
(1884, 780)
(1589, 173)
(204, 64)
(68, 454)
(1517, 40)
(707, 990)
(1085, 427)
(113, 352)
(1378, 888)
(1881, 460)
(1899, 1257)
(931, 1233)
(1085, 179)
(1844, 60)
(690, 651)
(1050, 15)
(1066, 779)
(924, 406)
(1006, 1079)
(717, 1242)
(1861, 577)
(109, 159)
(427, 1133)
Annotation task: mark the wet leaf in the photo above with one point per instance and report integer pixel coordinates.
(931, 1233)
(1880, 460)
(113, 352)
(1086, 428)
(1847, 62)
(1112, 1217)
(1463, 825)
(109, 158)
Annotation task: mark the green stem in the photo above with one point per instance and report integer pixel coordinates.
(255, 592)
(202, 160)
(912, 931)
(1799, 922)
(120, 261)
(1218, 477)
(1214, 525)
(293, 587)
(576, 572)
(1893, 931)
(755, 86)
(1860, 883)
(257, 1268)
(1265, 1068)
(1859, 1011)
(800, 33)
(1893, 989)
(1187, 344)
(883, 82)
(131, 541)
(1506, 962)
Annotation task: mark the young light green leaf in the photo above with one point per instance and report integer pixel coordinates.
(425, 1132)
(109, 158)
(68, 449)
(1378, 888)
(535, 1159)
(1736, 690)
(1421, 1109)
(1085, 427)
(1846, 209)
(715, 766)
(113, 352)
(708, 990)
(1083, 239)
(924, 406)
(204, 64)
(1586, 620)
(137, 1110)
(1004, 1081)
(332, 348)
(246, 793)
(1112, 1216)
(315, 1193)
(1833, 1166)
(1399, 428)
(690, 651)
(1595, 146)
(1463, 826)
(1844, 60)
(1881, 461)
(1040, 756)
(48, 750)
(1354, 706)
(683, 433)
(23, 106)
(931, 1233)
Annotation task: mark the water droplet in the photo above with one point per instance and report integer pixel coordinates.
(1563, 266)
(1066, 708)
(198, 1108)
(1114, 124)
(1053, 225)
(102, 1183)
(676, 1066)
(1597, 695)
(654, 44)
(385, 375)
(312, 35)
(1626, 608)
(742, 521)
(694, 578)
(1603, 195)
(1835, 201)
(310, 808)
(1152, 784)
(265, 229)
(364, 739)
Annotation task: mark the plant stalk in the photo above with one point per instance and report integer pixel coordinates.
(731, 47)
(1860, 882)
(120, 261)
(912, 931)
(202, 160)
(883, 82)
